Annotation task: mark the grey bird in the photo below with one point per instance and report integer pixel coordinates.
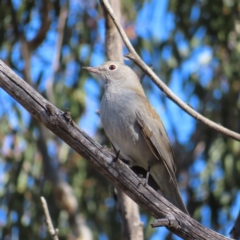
(135, 129)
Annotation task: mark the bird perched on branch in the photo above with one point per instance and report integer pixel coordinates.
(135, 129)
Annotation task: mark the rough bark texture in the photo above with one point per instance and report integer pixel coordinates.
(117, 172)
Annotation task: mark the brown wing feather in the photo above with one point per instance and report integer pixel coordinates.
(156, 148)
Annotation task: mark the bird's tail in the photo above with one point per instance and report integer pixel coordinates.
(168, 187)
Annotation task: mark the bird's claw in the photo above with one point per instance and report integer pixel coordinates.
(115, 159)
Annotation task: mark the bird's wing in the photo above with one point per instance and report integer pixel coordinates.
(155, 136)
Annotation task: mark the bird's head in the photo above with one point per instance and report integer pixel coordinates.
(115, 74)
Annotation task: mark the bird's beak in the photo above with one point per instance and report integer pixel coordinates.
(92, 69)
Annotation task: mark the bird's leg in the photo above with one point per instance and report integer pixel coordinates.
(116, 157)
(117, 153)
(148, 173)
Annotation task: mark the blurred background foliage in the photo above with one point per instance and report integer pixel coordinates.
(192, 45)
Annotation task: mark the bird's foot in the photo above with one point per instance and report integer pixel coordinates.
(147, 176)
(115, 159)
(142, 180)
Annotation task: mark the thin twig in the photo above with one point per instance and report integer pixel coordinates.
(136, 58)
(52, 231)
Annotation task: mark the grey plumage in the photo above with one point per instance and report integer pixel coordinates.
(134, 127)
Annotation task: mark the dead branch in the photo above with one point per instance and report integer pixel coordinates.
(53, 232)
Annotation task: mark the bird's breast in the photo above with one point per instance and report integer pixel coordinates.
(118, 117)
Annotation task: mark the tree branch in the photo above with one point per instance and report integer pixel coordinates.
(116, 172)
(136, 58)
(51, 229)
(113, 42)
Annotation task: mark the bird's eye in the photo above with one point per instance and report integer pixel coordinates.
(112, 67)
